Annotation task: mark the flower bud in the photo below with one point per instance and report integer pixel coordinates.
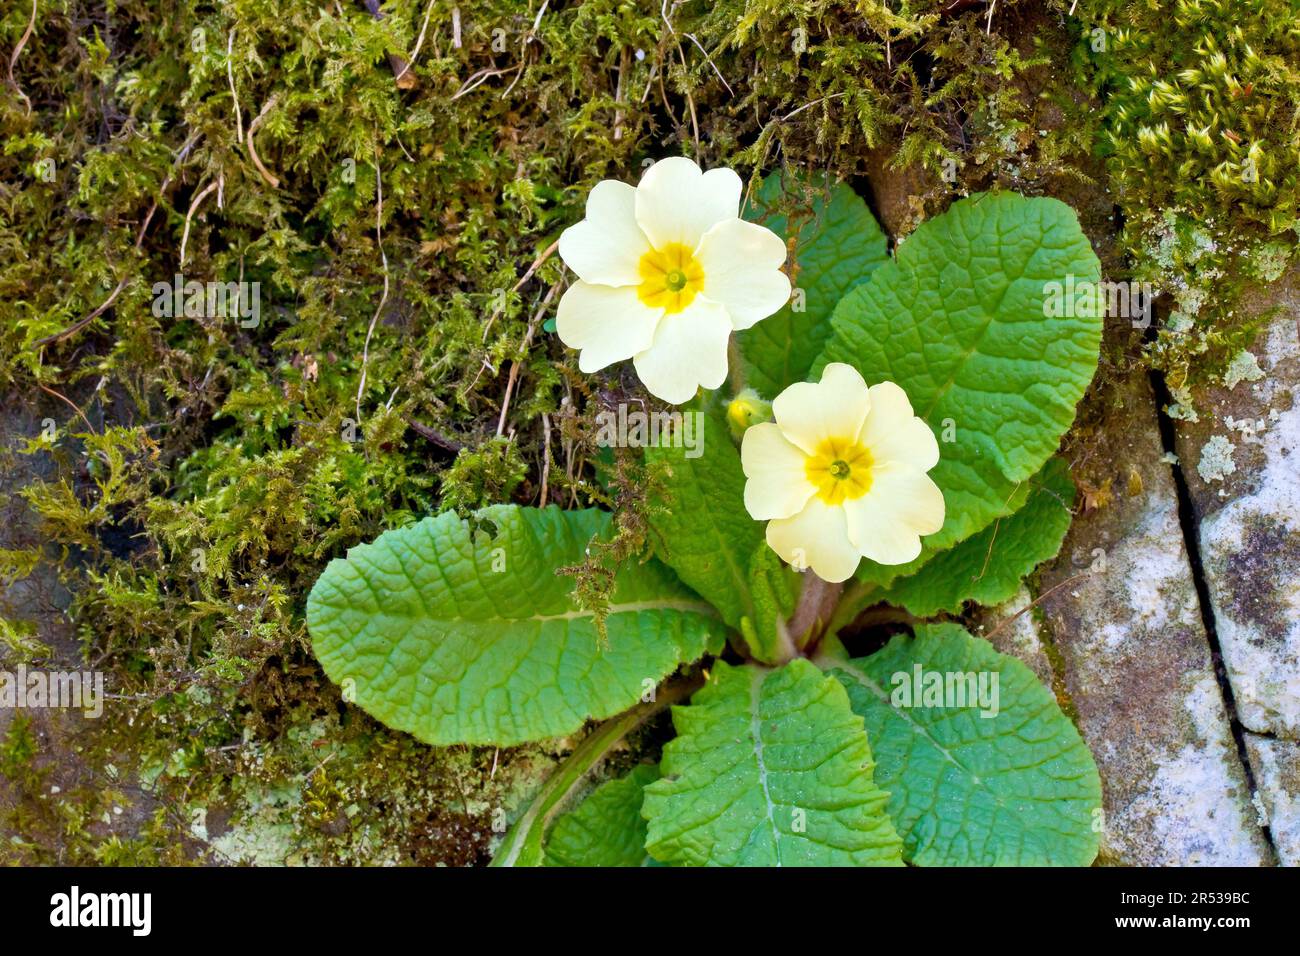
(746, 409)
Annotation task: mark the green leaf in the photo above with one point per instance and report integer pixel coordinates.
(524, 843)
(775, 587)
(702, 531)
(989, 566)
(458, 637)
(958, 320)
(871, 579)
(838, 244)
(1018, 788)
(607, 828)
(769, 768)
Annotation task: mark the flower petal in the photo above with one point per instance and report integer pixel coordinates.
(887, 522)
(675, 202)
(742, 270)
(608, 324)
(893, 433)
(811, 412)
(607, 246)
(818, 538)
(689, 351)
(777, 485)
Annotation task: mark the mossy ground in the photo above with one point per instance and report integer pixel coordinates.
(196, 475)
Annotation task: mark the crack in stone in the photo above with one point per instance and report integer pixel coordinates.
(1187, 521)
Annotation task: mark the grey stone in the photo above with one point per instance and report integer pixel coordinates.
(1012, 629)
(1276, 765)
(1122, 613)
(1249, 515)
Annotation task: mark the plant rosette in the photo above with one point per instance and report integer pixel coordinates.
(896, 435)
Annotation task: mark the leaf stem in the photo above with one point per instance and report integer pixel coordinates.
(522, 845)
(817, 604)
(855, 597)
(736, 367)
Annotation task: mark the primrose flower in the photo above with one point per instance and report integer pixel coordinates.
(667, 271)
(841, 475)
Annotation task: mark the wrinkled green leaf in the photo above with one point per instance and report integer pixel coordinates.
(703, 532)
(958, 319)
(838, 244)
(701, 528)
(769, 768)
(458, 637)
(607, 828)
(989, 566)
(1019, 788)
(775, 589)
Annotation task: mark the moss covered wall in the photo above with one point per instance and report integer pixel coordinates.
(391, 182)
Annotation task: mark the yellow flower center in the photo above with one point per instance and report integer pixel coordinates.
(840, 471)
(670, 278)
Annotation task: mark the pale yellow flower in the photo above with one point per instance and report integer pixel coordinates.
(841, 475)
(667, 271)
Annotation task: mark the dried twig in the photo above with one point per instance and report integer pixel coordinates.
(230, 75)
(519, 72)
(194, 205)
(528, 274)
(419, 42)
(13, 58)
(537, 22)
(681, 55)
(546, 458)
(429, 434)
(379, 239)
(1036, 601)
(271, 179)
(82, 323)
(823, 99)
(709, 60)
(75, 406)
(181, 155)
(624, 61)
(481, 77)
(514, 366)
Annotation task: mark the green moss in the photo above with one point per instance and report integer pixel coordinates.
(490, 473)
(1202, 106)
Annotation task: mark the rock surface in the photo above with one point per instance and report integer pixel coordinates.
(1123, 617)
(41, 600)
(1242, 463)
(1276, 764)
(1012, 629)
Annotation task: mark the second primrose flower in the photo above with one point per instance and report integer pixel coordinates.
(841, 475)
(667, 271)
